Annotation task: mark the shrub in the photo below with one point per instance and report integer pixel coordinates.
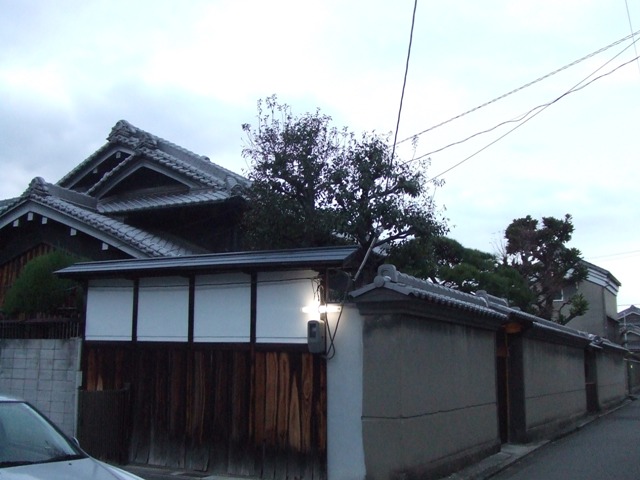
(38, 290)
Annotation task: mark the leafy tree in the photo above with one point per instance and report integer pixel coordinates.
(539, 253)
(38, 290)
(447, 262)
(290, 178)
(315, 185)
(578, 305)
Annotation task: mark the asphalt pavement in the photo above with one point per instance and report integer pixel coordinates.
(605, 446)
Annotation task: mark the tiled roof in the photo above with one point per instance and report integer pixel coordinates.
(632, 310)
(151, 201)
(266, 260)
(166, 161)
(147, 243)
(6, 204)
(390, 279)
(194, 166)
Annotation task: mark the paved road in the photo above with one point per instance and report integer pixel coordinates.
(608, 448)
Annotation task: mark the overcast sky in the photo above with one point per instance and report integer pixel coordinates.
(192, 73)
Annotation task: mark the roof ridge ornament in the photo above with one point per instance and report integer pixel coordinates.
(37, 188)
(122, 128)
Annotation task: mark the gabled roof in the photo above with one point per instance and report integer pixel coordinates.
(129, 148)
(132, 173)
(79, 211)
(632, 310)
(326, 257)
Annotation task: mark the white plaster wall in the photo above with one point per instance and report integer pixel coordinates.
(109, 310)
(280, 299)
(163, 309)
(222, 310)
(345, 451)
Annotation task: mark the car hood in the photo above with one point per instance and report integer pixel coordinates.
(83, 469)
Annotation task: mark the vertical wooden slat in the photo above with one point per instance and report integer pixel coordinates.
(294, 433)
(306, 402)
(229, 412)
(91, 370)
(283, 400)
(271, 399)
(220, 433)
(260, 389)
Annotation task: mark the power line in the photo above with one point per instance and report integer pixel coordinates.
(631, 252)
(626, 4)
(524, 115)
(544, 77)
(404, 83)
(540, 109)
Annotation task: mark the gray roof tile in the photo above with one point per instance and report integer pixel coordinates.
(148, 243)
(266, 260)
(153, 201)
(194, 166)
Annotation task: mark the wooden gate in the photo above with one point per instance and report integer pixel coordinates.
(103, 424)
(231, 411)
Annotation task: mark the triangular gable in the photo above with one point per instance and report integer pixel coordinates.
(131, 151)
(140, 175)
(40, 199)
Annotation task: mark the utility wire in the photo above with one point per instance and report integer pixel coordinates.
(521, 117)
(626, 4)
(629, 253)
(404, 83)
(544, 77)
(524, 115)
(541, 109)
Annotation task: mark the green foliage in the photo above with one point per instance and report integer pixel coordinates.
(37, 289)
(578, 305)
(315, 185)
(539, 253)
(447, 262)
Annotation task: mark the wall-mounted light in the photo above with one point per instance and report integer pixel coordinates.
(321, 308)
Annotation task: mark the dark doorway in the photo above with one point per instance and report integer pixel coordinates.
(502, 354)
(591, 381)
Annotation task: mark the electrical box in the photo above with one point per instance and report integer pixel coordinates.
(316, 333)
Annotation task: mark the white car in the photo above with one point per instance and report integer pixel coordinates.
(33, 448)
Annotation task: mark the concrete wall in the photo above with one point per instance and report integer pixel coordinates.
(429, 396)
(45, 373)
(603, 305)
(593, 321)
(612, 381)
(554, 381)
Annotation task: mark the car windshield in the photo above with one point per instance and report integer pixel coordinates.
(26, 437)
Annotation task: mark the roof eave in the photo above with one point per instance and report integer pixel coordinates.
(322, 258)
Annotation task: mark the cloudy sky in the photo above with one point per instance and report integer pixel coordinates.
(193, 71)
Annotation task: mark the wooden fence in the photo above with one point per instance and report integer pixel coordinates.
(47, 328)
(231, 411)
